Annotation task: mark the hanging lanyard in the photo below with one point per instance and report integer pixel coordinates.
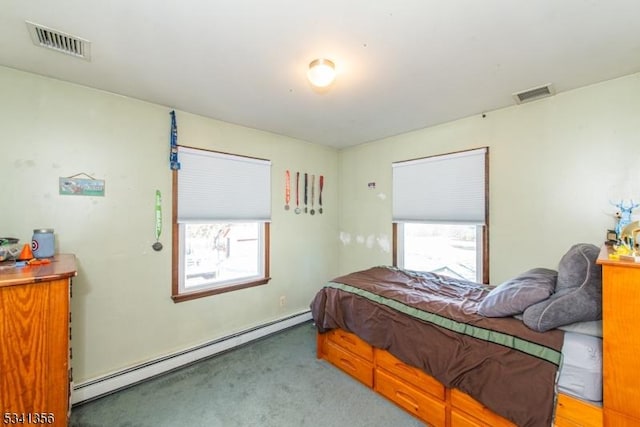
(313, 195)
(320, 195)
(306, 184)
(287, 190)
(157, 246)
(173, 154)
(297, 192)
(158, 214)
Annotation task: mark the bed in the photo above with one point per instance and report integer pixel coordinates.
(419, 340)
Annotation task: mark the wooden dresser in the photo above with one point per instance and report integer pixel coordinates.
(34, 343)
(621, 345)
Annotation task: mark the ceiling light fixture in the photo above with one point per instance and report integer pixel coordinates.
(322, 72)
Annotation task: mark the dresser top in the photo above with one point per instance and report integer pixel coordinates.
(603, 259)
(61, 266)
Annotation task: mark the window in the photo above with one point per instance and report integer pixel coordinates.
(440, 207)
(217, 254)
(221, 223)
(448, 249)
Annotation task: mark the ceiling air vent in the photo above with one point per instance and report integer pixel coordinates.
(59, 41)
(534, 93)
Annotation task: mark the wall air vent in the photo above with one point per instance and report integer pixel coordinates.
(59, 41)
(534, 93)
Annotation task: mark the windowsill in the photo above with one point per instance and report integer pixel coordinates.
(187, 296)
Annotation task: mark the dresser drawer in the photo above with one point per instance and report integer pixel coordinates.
(574, 412)
(413, 376)
(351, 342)
(358, 368)
(413, 400)
(468, 404)
(461, 419)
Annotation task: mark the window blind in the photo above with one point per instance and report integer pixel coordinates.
(222, 187)
(441, 189)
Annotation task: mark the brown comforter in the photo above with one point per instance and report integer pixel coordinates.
(430, 321)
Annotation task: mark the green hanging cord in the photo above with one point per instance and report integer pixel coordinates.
(157, 246)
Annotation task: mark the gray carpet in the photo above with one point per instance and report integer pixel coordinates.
(274, 382)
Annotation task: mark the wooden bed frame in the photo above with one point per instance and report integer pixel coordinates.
(425, 397)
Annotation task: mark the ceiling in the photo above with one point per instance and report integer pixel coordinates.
(402, 64)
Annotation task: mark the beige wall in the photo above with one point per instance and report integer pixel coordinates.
(554, 165)
(122, 311)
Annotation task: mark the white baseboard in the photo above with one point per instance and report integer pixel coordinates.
(100, 386)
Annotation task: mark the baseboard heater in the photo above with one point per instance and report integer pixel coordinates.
(110, 383)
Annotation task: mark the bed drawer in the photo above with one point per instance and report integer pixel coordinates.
(351, 342)
(572, 412)
(469, 405)
(413, 376)
(413, 400)
(358, 368)
(460, 419)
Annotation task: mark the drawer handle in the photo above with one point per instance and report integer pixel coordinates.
(407, 398)
(405, 368)
(348, 364)
(347, 339)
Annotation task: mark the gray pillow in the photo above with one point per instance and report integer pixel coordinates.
(515, 295)
(578, 293)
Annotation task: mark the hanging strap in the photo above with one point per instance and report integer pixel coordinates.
(297, 189)
(173, 155)
(287, 187)
(158, 214)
